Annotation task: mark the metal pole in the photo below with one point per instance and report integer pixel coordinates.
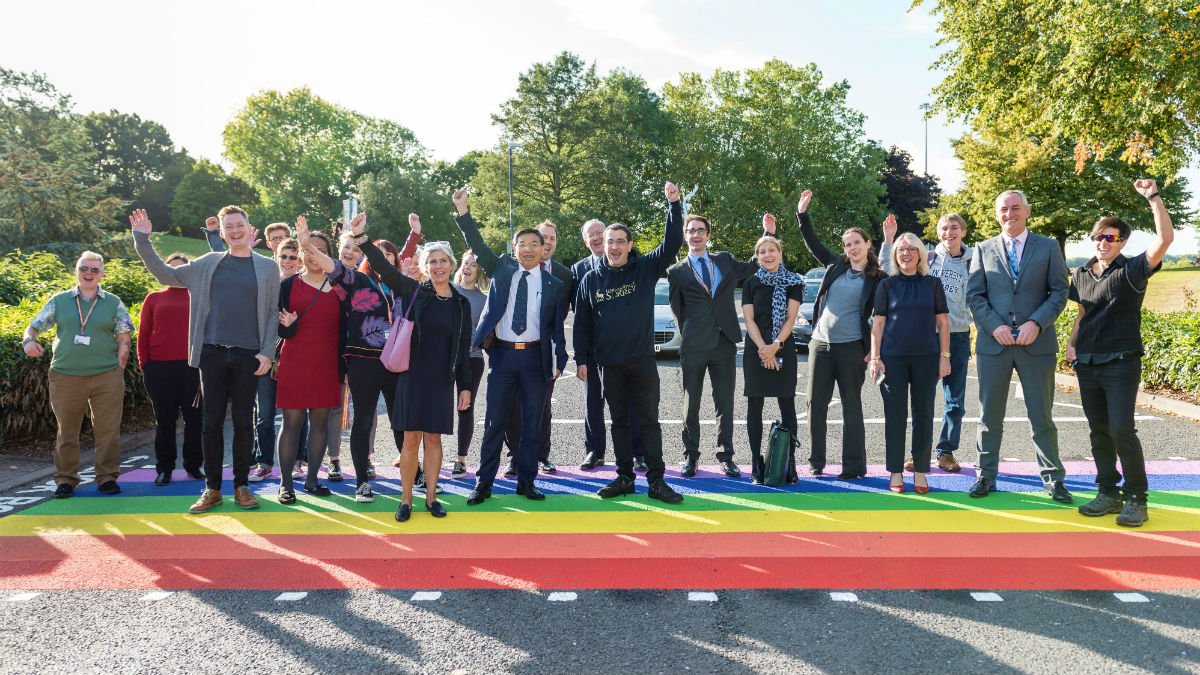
(926, 107)
(511, 222)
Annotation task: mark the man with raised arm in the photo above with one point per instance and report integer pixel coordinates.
(232, 329)
(614, 327)
(701, 297)
(522, 330)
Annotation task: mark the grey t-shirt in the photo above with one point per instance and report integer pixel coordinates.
(478, 299)
(841, 320)
(233, 313)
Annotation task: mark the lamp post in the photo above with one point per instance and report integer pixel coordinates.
(511, 222)
(925, 107)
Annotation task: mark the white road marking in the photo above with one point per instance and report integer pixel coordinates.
(1178, 459)
(874, 420)
(425, 596)
(563, 596)
(702, 596)
(1008, 459)
(1068, 405)
(987, 597)
(843, 596)
(291, 596)
(155, 596)
(22, 597)
(1131, 597)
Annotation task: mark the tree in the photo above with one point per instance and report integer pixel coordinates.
(138, 160)
(1116, 79)
(752, 140)
(907, 193)
(1065, 203)
(203, 191)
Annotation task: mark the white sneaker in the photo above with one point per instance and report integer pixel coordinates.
(363, 494)
(258, 473)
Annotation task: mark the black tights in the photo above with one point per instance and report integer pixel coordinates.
(754, 419)
(289, 443)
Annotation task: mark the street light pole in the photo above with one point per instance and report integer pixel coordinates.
(511, 221)
(926, 107)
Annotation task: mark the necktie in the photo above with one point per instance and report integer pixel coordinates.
(521, 307)
(1013, 264)
(705, 275)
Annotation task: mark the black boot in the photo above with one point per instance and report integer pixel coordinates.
(758, 465)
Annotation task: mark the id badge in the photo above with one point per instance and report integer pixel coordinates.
(84, 340)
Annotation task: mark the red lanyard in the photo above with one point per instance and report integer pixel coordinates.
(84, 319)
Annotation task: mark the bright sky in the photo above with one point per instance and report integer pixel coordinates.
(442, 68)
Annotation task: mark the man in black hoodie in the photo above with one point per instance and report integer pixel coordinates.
(614, 325)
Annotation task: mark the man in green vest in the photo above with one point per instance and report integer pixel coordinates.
(87, 372)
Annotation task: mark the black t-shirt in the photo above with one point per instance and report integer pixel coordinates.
(911, 304)
(758, 295)
(1112, 308)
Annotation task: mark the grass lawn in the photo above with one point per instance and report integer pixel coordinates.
(1166, 292)
(167, 244)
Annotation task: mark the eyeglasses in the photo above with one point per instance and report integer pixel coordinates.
(287, 256)
(1110, 238)
(901, 251)
(695, 230)
(93, 270)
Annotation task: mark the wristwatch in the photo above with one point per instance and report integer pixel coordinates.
(945, 355)
(27, 341)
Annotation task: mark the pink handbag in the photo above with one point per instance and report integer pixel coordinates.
(399, 343)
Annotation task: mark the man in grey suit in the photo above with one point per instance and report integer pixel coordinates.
(1016, 288)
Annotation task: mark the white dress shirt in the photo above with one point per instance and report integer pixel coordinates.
(533, 310)
(1020, 239)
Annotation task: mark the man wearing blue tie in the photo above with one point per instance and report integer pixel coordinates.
(522, 330)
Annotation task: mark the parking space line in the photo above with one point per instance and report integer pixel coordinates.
(1131, 597)
(986, 597)
(702, 596)
(22, 597)
(843, 596)
(155, 596)
(425, 596)
(563, 596)
(291, 596)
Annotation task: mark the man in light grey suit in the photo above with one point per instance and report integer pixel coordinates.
(1016, 288)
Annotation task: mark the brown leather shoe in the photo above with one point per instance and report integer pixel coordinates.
(948, 464)
(243, 498)
(908, 465)
(209, 499)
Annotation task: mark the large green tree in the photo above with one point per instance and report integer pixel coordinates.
(907, 193)
(753, 139)
(1116, 79)
(138, 160)
(204, 191)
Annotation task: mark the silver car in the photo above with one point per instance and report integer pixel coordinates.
(666, 333)
(812, 282)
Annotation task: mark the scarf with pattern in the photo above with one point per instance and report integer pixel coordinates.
(780, 281)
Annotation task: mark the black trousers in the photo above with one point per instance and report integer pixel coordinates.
(918, 376)
(1109, 393)
(634, 384)
(841, 364)
(721, 365)
(227, 380)
(367, 379)
(512, 436)
(516, 375)
(173, 387)
(466, 418)
(595, 431)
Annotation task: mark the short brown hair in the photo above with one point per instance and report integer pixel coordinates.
(176, 256)
(549, 224)
(1117, 224)
(232, 209)
(288, 244)
(273, 227)
(693, 217)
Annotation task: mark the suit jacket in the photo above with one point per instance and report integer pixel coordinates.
(1039, 293)
(567, 276)
(580, 268)
(703, 318)
(501, 269)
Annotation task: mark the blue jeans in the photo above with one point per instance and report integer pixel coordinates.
(264, 428)
(954, 391)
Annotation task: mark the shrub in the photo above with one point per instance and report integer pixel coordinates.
(31, 275)
(1172, 344)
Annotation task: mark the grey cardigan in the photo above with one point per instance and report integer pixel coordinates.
(196, 276)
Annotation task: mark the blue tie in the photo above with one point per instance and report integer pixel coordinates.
(521, 307)
(705, 275)
(1013, 265)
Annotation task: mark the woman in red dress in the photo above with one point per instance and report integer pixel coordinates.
(310, 317)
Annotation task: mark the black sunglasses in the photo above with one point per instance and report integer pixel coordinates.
(1110, 238)
(286, 256)
(85, 268)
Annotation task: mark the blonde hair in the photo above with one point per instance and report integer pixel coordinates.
(423, 255)
(482, 282)
(912, 240)
(952, 218)
(768, 239)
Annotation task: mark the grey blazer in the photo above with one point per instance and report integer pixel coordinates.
(1038, 294)
(196, 276)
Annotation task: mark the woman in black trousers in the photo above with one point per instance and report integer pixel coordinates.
(909, 355)
(1106, 349)
(841, 341)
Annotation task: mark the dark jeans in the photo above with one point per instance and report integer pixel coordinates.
(721, 366)
(632, 388)
(173, 387)
(264, 428)
(227, 380)
(516, 375)
(466, 418)
(917, 375)
(1109, 392)
(954, 393)
(754, 420)
(368, 379)
(840, 364)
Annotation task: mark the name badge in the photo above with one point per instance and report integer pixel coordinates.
(84, 340)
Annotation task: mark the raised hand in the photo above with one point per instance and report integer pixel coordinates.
(140, 222)
(359, 224)
(769, 223)
(805, 198)
(414, 223)
(460, 200)
(255, 241)
(302, 230)
(286, 318)
(408, 267)
(212, 224)
(1145, 187)
(671, 191)
(889, 228)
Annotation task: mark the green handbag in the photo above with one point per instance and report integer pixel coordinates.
(779, 455)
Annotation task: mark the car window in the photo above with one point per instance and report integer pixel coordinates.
(810, 292)
(815, 273)
(662, 292)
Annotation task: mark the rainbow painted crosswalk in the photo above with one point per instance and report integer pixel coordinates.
(822, 533)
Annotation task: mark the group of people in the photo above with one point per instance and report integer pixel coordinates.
(306, 331)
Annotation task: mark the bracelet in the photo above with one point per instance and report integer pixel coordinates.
(1152, 196)
(27, 341)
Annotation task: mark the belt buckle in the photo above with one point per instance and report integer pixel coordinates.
(520, 345)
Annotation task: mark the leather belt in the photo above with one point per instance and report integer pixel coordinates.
(517, 345)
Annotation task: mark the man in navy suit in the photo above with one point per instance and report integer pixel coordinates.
(522, 330)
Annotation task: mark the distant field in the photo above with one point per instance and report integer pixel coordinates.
(1166, 292)
(169, 243)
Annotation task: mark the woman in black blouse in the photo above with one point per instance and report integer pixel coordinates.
(770, 301)
(1106, 349)
(909, 355)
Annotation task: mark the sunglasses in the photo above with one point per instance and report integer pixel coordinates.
(93, 270)
(1110, 238)
(288, 256)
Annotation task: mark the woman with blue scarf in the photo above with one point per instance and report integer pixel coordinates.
(770, 302)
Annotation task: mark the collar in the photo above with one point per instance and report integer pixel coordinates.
(99, 292)
(1022, 238)
(694, 257)
(1117, 263)
(940, 249)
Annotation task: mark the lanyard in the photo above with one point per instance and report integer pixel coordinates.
(84, 319)
(712, 273)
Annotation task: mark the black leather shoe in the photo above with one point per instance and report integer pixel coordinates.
(639, 464)
(477, 496)
(512, 468)
(982, 487)
(815, 470)
(688, 468)
(662, 492)
(196, 474)
(163, 478)
(1058, 492)
(591, 461)
(546, 466)
(435, 509)
(619, 486)
(730, 468)
(849, 475)
(404, 512)
(530, 491)
(63, 491)
(110, 487)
